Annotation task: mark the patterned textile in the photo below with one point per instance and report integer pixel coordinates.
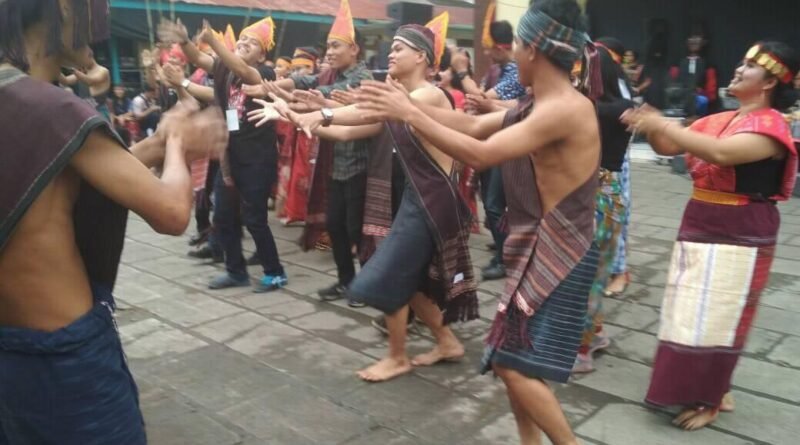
(465, 186)
(451, 277)
(720, 266)
(610, 218)
(621, 257)
(554, 331)
(378, 201)
(508, 87)
(541, 249)
(297, 190)
(564, 45)
(287, 134)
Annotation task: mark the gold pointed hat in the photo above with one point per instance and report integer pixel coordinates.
(486, 39)
(343, 28)
(229, 38)
(263, 31)
(439, 27)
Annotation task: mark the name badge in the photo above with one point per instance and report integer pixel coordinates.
(232, 118)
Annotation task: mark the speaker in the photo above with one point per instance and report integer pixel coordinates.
(404, 13)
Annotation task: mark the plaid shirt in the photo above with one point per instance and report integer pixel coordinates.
(349, 158)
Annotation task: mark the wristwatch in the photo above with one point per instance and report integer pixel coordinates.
(327, 116)
(185, 84)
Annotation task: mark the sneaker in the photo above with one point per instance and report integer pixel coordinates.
(496, 272)
(254, 260)
(355, 303)
(584, 364)
(271, 283)
(332, 293)
(205, 253)
(199, 238)
(226, 281)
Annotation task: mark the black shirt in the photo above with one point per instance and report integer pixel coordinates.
(614, 135)
(249, 143)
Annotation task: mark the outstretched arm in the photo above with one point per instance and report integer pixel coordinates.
(543, 127)
(97, 76)
(340, 133)
(176, 33)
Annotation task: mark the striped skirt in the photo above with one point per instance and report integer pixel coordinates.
(554, 332)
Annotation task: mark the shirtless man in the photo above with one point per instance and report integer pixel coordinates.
(97, 78)
(66, 185)
(397, 274)
(550, 155)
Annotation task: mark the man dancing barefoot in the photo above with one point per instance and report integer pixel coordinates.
(424, 261)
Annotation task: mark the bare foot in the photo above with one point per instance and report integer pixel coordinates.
(386, 369)
(728, 403)
(692, 419)
(617, 284)
(448, 352)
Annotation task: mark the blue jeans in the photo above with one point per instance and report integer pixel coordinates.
(253, 179)
(494, 204)
(71, 386)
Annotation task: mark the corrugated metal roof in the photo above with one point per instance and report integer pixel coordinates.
(361, 9)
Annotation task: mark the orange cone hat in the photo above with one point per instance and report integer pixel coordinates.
(229, 39)
(343, 28)
(439, 27)
(486, 39)
(263, 31)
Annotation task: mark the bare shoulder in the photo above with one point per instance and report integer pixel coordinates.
(431, 95)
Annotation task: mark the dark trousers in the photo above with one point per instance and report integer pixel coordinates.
(344, 219)
(494, 204)
(253, 179)
(202, 202)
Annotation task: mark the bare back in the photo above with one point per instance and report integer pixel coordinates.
(567, 163)
(43, 282)
(435, 97)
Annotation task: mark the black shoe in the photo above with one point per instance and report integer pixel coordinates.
(332, 293)
(496, 272)
(254, 260)
(206, 253)
(199, 238)
(355, 304)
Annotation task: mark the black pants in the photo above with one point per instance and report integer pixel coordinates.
(253, 179)
(494, 204)
(202, 201)
(344, 219)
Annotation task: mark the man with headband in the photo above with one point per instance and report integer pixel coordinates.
(339, 177)
(424, 261)
(550, 155)
(66, 184)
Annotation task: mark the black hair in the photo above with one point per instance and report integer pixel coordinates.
(784, 95)
(565, 12)
(285, 59)
(359, 39)
(18, 15)
(148, 88)
(502, 32)
(444, 62)
(613, 44)
(611, 73)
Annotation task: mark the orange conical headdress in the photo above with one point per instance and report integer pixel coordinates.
(343, 28)
(263, 31)
(229, 39)
(439, 27)
(486, 40)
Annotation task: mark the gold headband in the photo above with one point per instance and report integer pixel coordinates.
(770, 62)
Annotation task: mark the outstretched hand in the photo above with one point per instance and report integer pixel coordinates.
(645, 119)
(269, 111)
(348, 97)
(172, 32)
(202, 133)
(173, 75)
(384, 100)
(313, 99)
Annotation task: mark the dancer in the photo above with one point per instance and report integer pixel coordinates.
(339, 178)
(550, 153)
(609, 209)
(67, 185)
(742, 163)
(250, 163)
(424, 261)
(98, 79)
